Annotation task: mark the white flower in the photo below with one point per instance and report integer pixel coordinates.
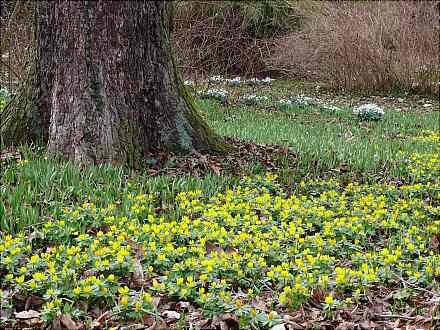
(267, 80)
(285, 102)
(369, 111)
(253, 99)
(188, 83)
(235, 81)
(218, 94)
(369, 107)
(215, 79)
(330, 108)
(256, 81)
(303, 101)
(252, 81)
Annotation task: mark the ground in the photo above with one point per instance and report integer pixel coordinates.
(319, 218)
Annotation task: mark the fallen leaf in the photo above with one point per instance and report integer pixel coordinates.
(137, 280)
(367, 325)
(212, 247)
(24, 315)
(216, 169)
(318, 295)
(181, 305)
(98, 323)
(171, 316)
(436, 242)
(32, 301)
(225, 322)
(346, 326)
(68, 323)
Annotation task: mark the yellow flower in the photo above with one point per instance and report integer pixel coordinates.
(329, 300)
(253, 312)
(20, 279)
(39, 276)
(272, 315)
(87, 289)
(147, 297)
(282, 298)
(124, 300)
(123, 290)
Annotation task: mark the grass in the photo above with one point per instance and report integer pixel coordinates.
(79, 237)
(37, 189)
(336, 137)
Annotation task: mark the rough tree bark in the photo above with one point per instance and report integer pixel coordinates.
(106, 86)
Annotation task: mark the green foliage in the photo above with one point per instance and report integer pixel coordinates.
(256, 237)
(37, 188)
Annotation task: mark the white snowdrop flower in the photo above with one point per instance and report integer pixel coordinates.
(215, 79)
(253, 81)
(235, 81)
(253, 99)
(330, 108)
(369, 111)
(218, 94)
(285, 102)
(304, 101)
(267, 80)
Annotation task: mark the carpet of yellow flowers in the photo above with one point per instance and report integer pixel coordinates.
(255, 251)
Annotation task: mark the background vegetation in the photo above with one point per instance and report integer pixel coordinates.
(354, 45)
(368, 46)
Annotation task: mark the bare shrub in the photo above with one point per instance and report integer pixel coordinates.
(229, 37)
(16, 36)
(379, 45)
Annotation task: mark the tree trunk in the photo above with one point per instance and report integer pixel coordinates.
(108, 89)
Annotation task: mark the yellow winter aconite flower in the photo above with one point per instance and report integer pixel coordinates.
(39, 276)
(123, 300)
(329, 300)
(224, 249)
(20, 279)
(123, 290)
(146, 297)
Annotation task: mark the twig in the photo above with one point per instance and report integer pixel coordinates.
(415, 287)
(394, 316)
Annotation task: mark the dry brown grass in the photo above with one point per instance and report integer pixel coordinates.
(369, 46)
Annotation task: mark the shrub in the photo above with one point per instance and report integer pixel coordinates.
(366, 46)
(229, 37)
(16, 36)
